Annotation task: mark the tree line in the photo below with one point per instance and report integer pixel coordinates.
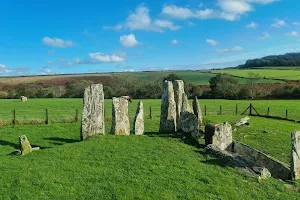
(221, 86)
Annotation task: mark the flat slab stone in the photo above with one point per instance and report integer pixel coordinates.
(219, 135)
(93, 112)
(120, 117)
(168, 109)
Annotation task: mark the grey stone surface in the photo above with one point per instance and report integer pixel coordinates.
(219, 135)
(185, 104)
(93, 112)
(25, 146)
(178, 91)
(277, 168)
(295, 154)
(189, 124)
(197, 110)
(120, 118)
(168, 109)
(139, 120)
(242, 121)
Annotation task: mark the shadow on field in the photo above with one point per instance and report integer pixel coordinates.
(7, 143)
(61, 140)
(157, 134)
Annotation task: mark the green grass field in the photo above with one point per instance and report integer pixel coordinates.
(275, 73)
(154, 166)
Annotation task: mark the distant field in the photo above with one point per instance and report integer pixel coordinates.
(289, 74)
(198, 77)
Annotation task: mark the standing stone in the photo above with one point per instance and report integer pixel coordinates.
(168, 109)
(120, 119)
(178, 91)
(197, 110)
(189, 124)
(25, 146)
(295, 161)
(139, 120)
(185, 104)
(93, 112)
(219, 135)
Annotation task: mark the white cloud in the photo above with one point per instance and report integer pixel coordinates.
(57, 42)
(296, 23)
(265, 36)
(46, 71)
(234, 49)
(101, 57)
(174, 42)
(252, 25)
(4, 69)
(212, 42)
(292, 34)
(140, 20)
(235, 6)
(262, 1)
(77, 60)
(166, 24)
(278, 23)
(177, 12)
(128, 40)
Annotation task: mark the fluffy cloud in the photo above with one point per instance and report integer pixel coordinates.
(128, 40)
(278, 23)
(292, 34)
(140, 20)
(57, 42)
(234, 49)
(252, 25)
(261, 1)
(101, 57)
(212, 42)
(296, 23)
(174, 42)
(235, 6)
(265, 36)
(4, 69)
(46, 71)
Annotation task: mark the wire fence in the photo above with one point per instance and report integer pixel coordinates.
(52, 116)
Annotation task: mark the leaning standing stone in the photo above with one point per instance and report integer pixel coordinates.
(139, 120)
(25, 146)
(185, 104)
(189, 124)
(120, 119)
(178, 91)
(295, 161)
(93, 112)
(197, 110)
(168, 109)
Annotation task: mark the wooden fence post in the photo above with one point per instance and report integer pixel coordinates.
(150, 112)
(76, 116)
(205, 110)
(268, 113)
(250, 108)
(286, 113)
(220, 109)
(236, 109)
(14, 118)
(47, 118)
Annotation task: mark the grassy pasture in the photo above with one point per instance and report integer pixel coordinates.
(271, 73)
(63, 110)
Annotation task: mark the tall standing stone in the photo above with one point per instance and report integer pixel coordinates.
(185, 104)
(139, 120)
(178, 91)
(168, 109)
(93, 112)
(197, 110)
(295, 161)
(120, 118)
(219, 135)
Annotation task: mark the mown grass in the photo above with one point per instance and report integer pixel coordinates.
(288, 74)
(154, 166)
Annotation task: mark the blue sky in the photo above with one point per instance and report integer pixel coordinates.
(59, 36)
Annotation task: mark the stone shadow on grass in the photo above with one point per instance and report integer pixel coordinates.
(59, 141)
(7, 143)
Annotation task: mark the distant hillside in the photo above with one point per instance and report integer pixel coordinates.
(289, 59)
